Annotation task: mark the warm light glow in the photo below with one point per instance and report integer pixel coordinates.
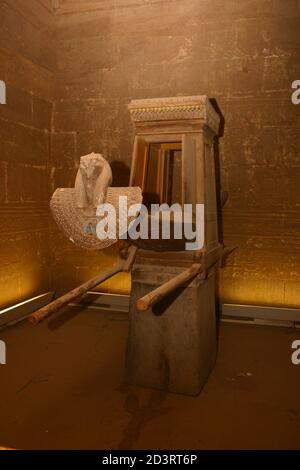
(13, 307)
(25, 268)
(265, 292)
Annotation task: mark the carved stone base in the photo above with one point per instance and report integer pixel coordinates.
(172, 346)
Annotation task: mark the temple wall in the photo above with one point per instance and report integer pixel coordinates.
(27, 63)
(85, 60)
(245, 54)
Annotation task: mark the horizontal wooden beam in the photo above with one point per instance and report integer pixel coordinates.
(78, 292)
(144, 303)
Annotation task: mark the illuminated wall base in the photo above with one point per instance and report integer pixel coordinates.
(229, 312)
(23, 309)
(278, 316)
(252, 314)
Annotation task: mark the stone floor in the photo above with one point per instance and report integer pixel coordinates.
(62, 389)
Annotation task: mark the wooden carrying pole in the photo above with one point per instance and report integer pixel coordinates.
(162, 291)
(53, 307)
(207, 261)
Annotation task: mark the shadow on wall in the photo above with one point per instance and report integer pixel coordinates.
(121, 174)
(218, 192)
(218, 168)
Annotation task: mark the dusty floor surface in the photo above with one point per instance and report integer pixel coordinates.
(62, 389)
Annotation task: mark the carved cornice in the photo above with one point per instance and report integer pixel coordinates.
(173, 109)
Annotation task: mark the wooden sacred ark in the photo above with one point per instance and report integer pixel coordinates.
(172, 320)
(172, 326)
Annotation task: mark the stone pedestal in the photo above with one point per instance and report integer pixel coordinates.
(172, 346)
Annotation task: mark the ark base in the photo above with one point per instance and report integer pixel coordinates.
(172, 346)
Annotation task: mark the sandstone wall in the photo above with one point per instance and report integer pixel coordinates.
(27, 64)
(85, 60)
(245, 54)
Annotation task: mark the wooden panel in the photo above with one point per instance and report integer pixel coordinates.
(190, 176)
(139, 164)
(211, 227)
